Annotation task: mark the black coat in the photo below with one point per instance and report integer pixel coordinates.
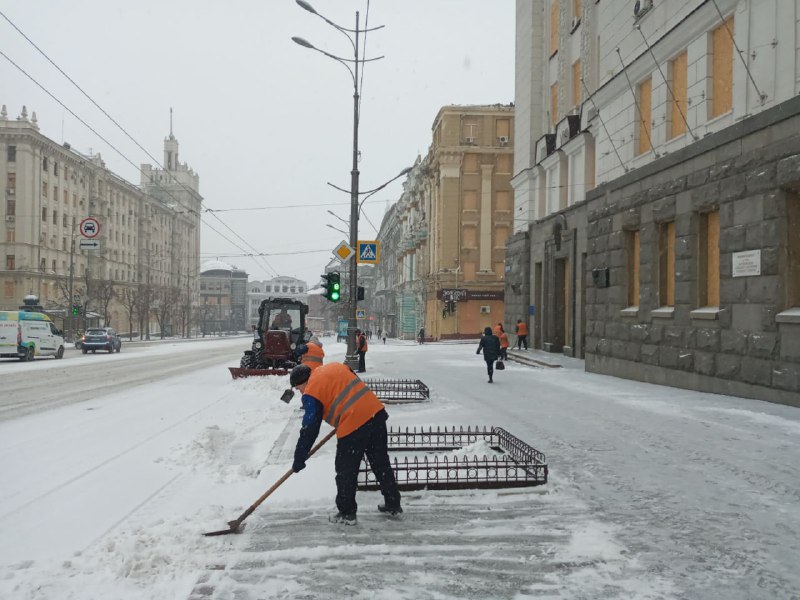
(490, 344)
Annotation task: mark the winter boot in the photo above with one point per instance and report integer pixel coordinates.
(391, 511)
(343, 519)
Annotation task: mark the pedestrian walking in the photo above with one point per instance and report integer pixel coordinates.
(522, 334)
(503, 337)
(334, 393)
(384, 338)
(421, 335)
(361, 349)
(490, 344)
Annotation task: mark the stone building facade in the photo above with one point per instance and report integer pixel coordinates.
(223, 298)
(147, 247)
(277, 287)
(701, 250)
(625, 112)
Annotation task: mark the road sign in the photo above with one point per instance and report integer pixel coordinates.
(369, 252)
(90, 227)
(89, 244)
(343, 251)
(361, 313)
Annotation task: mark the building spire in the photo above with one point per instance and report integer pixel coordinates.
(171, 136)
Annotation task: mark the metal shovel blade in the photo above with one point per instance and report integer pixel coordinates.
(233, 527)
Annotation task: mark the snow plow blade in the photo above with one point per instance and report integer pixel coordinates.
(239, 373)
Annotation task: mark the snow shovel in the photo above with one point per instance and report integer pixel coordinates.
(236, 526)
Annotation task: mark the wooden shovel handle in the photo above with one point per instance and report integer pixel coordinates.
(278, 483)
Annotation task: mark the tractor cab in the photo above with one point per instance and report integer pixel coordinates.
(281, 328)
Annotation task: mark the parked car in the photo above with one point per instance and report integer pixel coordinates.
(25, 335)
(100, 338)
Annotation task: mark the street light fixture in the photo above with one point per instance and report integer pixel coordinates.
(354, 36)
(330, 212)
(337, 229)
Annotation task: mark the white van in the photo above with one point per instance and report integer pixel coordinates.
(26, 334)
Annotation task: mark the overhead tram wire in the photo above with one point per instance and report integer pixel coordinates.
(113, 147)
(121, 128)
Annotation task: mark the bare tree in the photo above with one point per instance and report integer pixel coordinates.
(129, 298)
(168, 299)
(103, 293)
(144, 294)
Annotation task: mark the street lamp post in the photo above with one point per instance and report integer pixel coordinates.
(354, 36)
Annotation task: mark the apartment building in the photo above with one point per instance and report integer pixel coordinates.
(223, 304)
(443, 268)
(144, 241)
(656, 144)
(277, 287)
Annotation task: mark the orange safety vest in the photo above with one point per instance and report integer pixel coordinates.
(503, 340)
(497, 330)
(362, 339)
(522, 329)
(347, 402)
(313, 358)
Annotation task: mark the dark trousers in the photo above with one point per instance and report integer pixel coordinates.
(504, 353)
(361, 361)
(369, 439)
(522, 340)
(490, 367)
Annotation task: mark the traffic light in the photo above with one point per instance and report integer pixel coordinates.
(76, 310)
(360, 294)
(332, 286)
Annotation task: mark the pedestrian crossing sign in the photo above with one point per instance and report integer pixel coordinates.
(361, 313)
(369, 252)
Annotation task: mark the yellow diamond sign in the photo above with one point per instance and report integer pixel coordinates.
(343, 251)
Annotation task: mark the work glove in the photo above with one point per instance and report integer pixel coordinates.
(298, 465)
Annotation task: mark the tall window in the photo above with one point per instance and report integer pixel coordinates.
(793, 245)
(8, 289)
(722, 68)
(645, 96)
(677, 125)
(44, 214)
(576, 82)
(469, 129)
(503, 128)
(632, 242)
(553, 27)
(9, 262)
(11, 182)
(12, 154)
(44, 189)
(554, 103)
(44, 164)
(11, 207)
(708, 268)
(55, 217)
(666, 264)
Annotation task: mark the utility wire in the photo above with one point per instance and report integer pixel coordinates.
(155, 160)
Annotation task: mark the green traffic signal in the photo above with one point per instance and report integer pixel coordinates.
(75, 311)
(332, 286)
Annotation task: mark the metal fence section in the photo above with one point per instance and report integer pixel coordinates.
(519, 465)
(399, 391)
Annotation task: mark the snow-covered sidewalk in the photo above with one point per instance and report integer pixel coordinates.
(653, 493)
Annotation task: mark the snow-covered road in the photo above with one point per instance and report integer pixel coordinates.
(654, 492)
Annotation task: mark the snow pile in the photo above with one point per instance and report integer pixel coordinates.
(479, 448)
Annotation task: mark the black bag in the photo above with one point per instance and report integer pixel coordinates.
(500, 366)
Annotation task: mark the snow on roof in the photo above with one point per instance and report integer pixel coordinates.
(216, 265)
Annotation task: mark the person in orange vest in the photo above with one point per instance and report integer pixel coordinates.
(312, 353)
(497, 329)
(522, 334)
(361, 349)
(503, 342)
(334, 393)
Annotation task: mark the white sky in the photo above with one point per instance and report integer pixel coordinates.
(263, 121)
